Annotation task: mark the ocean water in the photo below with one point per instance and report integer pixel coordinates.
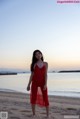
(61, 84)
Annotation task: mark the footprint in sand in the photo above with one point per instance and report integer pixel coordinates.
(13, 109)
(25, 110)
(71, 109)
(15, 118)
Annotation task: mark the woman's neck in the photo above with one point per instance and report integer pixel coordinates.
(39, 61)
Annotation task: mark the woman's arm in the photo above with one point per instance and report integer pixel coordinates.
(45, 85)
(30, 80)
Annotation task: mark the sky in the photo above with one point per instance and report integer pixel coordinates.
(53, 28)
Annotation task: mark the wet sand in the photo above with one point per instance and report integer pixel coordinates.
(18, 107)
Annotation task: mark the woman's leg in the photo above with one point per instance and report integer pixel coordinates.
(33, 97)
(47, 111)
(33, 109)
(45, 98)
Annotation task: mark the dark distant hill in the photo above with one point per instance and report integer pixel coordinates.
(69, 71)
(8, 73)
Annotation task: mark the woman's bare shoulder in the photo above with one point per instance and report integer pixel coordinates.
(35, 65)
(46, 64)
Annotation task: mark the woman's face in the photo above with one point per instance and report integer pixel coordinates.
(38, 55)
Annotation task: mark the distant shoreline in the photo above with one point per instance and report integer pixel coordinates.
(61, 71)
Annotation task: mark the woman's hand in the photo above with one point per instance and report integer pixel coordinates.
(45, 86)
(28, 87)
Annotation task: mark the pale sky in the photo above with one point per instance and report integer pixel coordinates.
(53, 28)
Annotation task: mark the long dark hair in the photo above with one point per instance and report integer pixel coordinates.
(34, 59)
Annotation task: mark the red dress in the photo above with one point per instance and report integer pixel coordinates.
(38, 95)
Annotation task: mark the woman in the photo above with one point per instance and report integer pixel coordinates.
(38, 82)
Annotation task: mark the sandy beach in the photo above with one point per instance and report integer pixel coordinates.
(18, 107)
